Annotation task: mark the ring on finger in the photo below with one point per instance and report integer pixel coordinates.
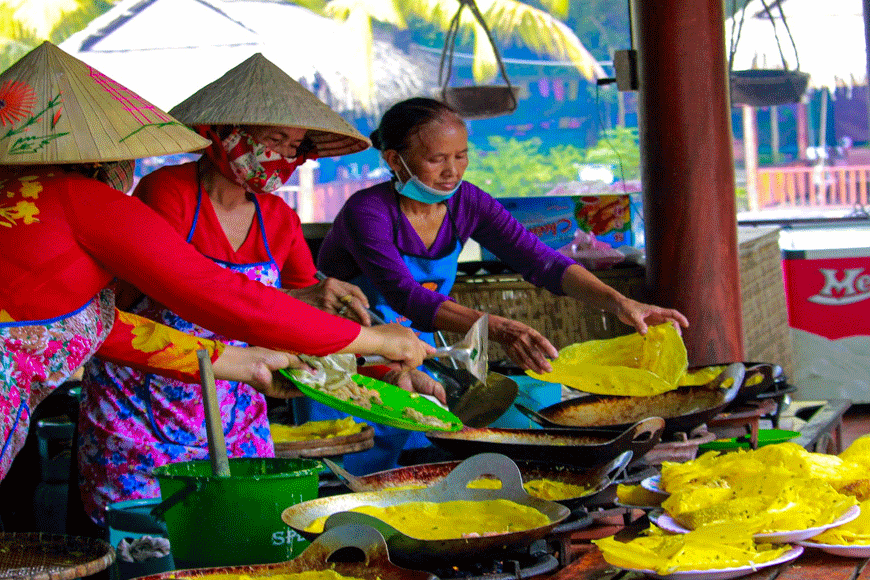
(342, 310)
(347, 299)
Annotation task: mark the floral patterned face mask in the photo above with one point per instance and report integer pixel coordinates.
(256, 167)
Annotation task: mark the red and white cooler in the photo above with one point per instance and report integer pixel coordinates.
(827, 285)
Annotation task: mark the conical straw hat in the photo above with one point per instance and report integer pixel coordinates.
(257, 92)
(56, 109)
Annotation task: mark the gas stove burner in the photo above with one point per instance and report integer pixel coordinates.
(514, 566)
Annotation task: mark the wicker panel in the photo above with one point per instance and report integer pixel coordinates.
(766, 334)
(561, 319)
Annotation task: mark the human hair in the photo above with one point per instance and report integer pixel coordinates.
(405, 118)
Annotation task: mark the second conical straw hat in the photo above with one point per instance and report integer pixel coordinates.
(56, 109)
(257, 92)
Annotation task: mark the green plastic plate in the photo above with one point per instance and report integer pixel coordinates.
(390, 413)
(765, 437)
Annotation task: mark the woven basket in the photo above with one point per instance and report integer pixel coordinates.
(766, 88)
(561, 319)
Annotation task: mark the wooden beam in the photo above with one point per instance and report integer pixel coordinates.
(688, 172)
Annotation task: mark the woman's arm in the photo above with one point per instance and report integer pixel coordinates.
(143, 249)
(153, 347)
(581, 284)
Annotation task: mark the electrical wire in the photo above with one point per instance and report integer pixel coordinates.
(599, 126)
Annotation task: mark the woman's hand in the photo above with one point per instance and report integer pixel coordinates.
(524, 345)
(255, 366)
(416, 381)
(641, 316)
(394, 342)
(336, 297)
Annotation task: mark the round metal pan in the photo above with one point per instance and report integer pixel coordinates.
(375, 563)
(759, 377)
(408, 551)
(683, 409)
(581, 447)
(595, 480)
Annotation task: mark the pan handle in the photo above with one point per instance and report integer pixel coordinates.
(611, 471)
(736, 372)
(356, 519)
(535, 416)
(455, 485)
(366, 538)
(647, 429)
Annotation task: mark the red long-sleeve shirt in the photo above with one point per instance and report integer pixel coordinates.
(63, 237)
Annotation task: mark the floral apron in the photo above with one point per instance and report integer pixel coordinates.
(132, 422)
(36, 357)
(437, 274)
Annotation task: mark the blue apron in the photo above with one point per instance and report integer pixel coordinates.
(437, 274)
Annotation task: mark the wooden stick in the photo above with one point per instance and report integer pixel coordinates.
(217, 447)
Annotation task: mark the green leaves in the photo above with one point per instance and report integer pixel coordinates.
(510, 167)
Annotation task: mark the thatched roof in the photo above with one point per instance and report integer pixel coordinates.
(829, 35)
(167, 49)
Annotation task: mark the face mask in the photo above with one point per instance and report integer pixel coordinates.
(256, 167)
(415, 189)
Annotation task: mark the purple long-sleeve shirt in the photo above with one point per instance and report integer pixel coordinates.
(371, 233)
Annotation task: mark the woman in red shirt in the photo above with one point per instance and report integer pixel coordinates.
(64, 237)
(224, 207)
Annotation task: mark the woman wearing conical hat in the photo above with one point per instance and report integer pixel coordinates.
(262, 125)
(64, 236)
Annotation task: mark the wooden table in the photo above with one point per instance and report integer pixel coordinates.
(812, 565)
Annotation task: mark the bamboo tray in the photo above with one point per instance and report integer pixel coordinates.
(43, 556)
(328, 447)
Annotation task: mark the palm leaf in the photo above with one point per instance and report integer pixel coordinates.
(512, 21)
(386, 11)
(539, 31)
(558, 8)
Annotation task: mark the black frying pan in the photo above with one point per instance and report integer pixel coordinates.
(374, 565)
(595, 480)
(409, 551)
(581, 447)
(683, 409)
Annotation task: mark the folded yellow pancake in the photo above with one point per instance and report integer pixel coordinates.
(856, 532)
(710, 548)
(631, 365)
(315, 430)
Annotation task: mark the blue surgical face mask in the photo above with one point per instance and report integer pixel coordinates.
(415, 189)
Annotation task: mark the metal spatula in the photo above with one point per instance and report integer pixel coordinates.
(471, 352)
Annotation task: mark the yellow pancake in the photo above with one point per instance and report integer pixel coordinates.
(426, 520)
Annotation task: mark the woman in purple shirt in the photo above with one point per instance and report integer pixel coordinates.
(400, 240)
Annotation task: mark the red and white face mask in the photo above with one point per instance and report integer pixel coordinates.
(256, 167)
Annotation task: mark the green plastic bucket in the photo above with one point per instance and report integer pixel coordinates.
(236, 520)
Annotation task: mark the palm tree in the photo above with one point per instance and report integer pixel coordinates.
(24, 24)
(509, 20)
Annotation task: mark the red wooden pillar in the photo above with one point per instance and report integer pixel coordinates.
(688, 172)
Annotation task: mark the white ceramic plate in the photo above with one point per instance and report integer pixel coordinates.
(668, 524)
(653, 483)
(848, 550)
(724, 573)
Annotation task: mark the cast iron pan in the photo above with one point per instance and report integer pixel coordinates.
(595, 480)
(580, 447)
(374, 563)
(409, 551)
(683, 409)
